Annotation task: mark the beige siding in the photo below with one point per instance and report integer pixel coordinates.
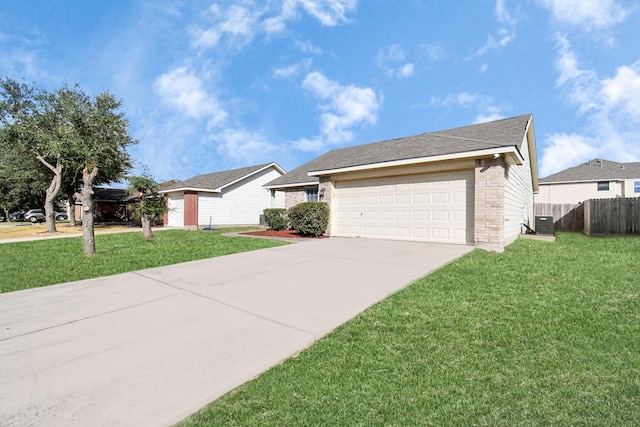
(239, 204)
(577, 192)
(518, 197)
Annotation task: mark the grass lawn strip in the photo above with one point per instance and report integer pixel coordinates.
(544, 334)
(45, 262)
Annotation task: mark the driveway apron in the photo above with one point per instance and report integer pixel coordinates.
(153, 346)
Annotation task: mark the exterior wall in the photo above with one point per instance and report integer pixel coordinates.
(190, 209)
(578, 192)
(326, 185)
(518, 197)
(489, 204)
(631, 187)
(175, 216)
(240, 204)
(277, 199)
(293, 196)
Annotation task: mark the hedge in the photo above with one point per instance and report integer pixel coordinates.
(309, 218)
(276, 218)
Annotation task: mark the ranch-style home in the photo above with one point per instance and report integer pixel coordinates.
(468, 185)
(595, 179)
(231, 197)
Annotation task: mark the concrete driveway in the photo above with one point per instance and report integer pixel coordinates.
(152, 346)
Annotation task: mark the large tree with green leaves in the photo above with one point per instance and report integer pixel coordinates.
(68, 130)
(148, 205)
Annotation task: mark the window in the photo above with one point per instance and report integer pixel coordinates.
(636, 187)
(603, 185)
(312, 194)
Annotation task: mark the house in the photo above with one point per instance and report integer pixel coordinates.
(468, 185)
(595, 179)
(109, 204)
(232, 197)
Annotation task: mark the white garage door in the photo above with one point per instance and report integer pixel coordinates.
(176, 211)
(435, 207)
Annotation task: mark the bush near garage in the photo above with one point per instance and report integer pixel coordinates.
(276, 218)
(309, 218)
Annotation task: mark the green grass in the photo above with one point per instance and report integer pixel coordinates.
(545, 334)
(45, 262)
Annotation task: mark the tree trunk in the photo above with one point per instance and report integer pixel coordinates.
(146, 227)
(52, 194)
(72, 209)
(86, 197)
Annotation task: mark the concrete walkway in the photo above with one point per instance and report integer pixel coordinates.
(150, 347)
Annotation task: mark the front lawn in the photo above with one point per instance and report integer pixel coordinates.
(44, 262)
(543, 334)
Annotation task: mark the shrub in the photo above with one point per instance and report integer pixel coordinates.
(276, 218)
(309, 218)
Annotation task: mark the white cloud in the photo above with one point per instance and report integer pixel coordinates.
(329, 12)
(239, 24)
(243, 147)
(564, 151)
(185, 92)
(236, 23)
(611, 111)
(345, 107)
(392, 61)
(588, 14)
(293, 70)
(621, 94)
(484, 105)
(504, 38)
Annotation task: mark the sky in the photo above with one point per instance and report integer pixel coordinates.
(216, 85)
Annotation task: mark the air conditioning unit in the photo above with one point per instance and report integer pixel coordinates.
(544, 225)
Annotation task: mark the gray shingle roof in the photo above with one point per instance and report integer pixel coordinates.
(213, 181)
(596, 170)
(500, 133)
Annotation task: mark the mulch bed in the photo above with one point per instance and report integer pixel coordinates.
(289, 234)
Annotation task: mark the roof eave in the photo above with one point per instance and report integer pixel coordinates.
(296, 184)
(510, 151)
(199, 190)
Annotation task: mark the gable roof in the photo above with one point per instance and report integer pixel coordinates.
(217, 181)
(596, 170)
(498, 136)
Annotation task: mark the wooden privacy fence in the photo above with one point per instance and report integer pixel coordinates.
(566, 217)
(595, 216)
(612, 216)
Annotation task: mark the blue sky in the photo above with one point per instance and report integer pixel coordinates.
(214, 85)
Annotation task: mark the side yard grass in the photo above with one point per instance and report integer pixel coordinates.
(33, 264)
(544, 334)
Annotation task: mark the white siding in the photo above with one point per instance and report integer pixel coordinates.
(240, 204)
(518, 197)
(176, 210)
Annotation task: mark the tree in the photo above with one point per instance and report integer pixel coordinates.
(68, 130)
(149, 205)
(103, 129)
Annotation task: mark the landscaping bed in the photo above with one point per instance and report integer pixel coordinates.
(289, 234)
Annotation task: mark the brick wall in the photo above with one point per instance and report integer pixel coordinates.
(191, 209)
(489, 204)
(294, 196)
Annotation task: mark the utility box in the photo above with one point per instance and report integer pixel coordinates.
(544, 225)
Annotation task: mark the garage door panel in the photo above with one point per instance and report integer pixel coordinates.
(427, 207)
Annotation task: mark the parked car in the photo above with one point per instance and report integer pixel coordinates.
(60, 216)
(16, 216)
(34, 215)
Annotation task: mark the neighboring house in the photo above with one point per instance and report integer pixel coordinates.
(109, 204)
(233, 197)
(595, 179)
(469, 185)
